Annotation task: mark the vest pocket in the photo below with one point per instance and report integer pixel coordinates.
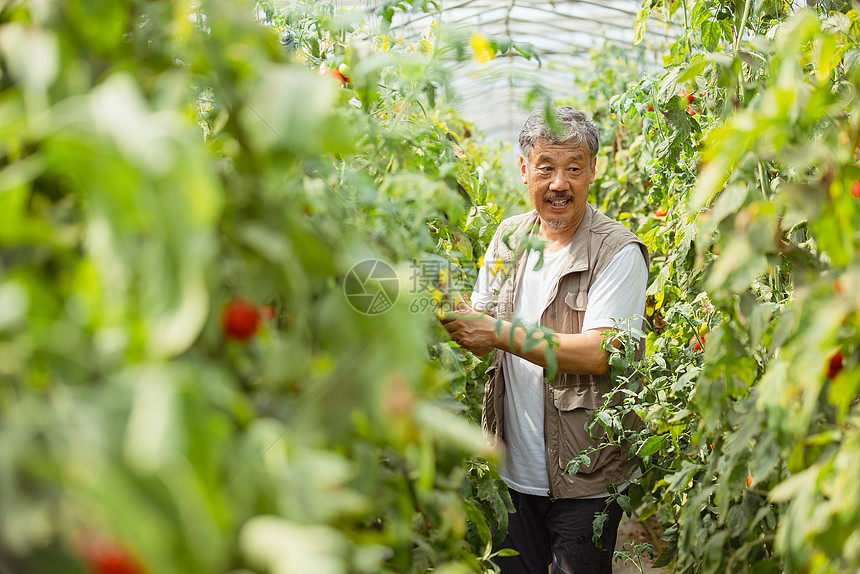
(573, 439)
(574, 391)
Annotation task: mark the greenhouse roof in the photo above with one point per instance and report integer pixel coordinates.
(562, 33)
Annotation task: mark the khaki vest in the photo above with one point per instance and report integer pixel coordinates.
(569, 399)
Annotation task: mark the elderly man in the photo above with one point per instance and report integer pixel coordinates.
(592, 278)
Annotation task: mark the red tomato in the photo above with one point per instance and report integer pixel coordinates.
(240, 319)
(106, 556)
(695, 344)
(855, 189)
(749, 480)
(649, 107)
(834, 365)
(339, 77)
(688, 95)
(661, 212)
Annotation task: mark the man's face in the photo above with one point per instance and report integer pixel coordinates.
(558, 177)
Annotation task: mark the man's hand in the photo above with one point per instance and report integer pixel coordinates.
(473, 330)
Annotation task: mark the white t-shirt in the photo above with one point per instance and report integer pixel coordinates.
(618, 294)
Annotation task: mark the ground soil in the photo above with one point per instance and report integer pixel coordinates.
(630, 532)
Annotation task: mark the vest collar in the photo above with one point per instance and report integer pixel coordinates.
(577, 256)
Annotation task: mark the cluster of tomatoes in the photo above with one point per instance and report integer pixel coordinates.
(687, 95)
(684, 95)
(341, 73)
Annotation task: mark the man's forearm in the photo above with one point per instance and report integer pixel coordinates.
(580, 353)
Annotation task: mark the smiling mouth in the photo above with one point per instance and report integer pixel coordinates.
(559, 202)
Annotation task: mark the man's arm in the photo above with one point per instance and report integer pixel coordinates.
(618, 294)
(580, 353)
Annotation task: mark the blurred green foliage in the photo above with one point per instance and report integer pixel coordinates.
(159, 159)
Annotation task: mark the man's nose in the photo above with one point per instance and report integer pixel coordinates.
(558, 182)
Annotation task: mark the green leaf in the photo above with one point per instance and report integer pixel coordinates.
(479, 522)
(652, 445)
(573, 466)
(694, 68)
(639, 26)
(527, 51)
(487, 488)
(533, 338)
(387, 15)
(506, 552)
(504, 43)
(667, 555)
(551, 362)
(678, 480)
(597, 528)
(605, 418)
(711, 32)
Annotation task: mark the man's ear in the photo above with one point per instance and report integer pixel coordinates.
(593, 170)
(524, 170)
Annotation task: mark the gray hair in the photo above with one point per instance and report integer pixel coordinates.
(575, 128)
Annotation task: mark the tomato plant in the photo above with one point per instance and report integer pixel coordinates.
(744, 434)
(158, 158)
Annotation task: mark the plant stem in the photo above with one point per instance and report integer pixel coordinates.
(657, 115)
(687, 30)
(743, 24)
(696, 331)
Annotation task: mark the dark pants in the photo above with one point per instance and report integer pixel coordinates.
(558, 532)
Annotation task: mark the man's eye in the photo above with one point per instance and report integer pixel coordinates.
(574, 169)
(545, 169)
